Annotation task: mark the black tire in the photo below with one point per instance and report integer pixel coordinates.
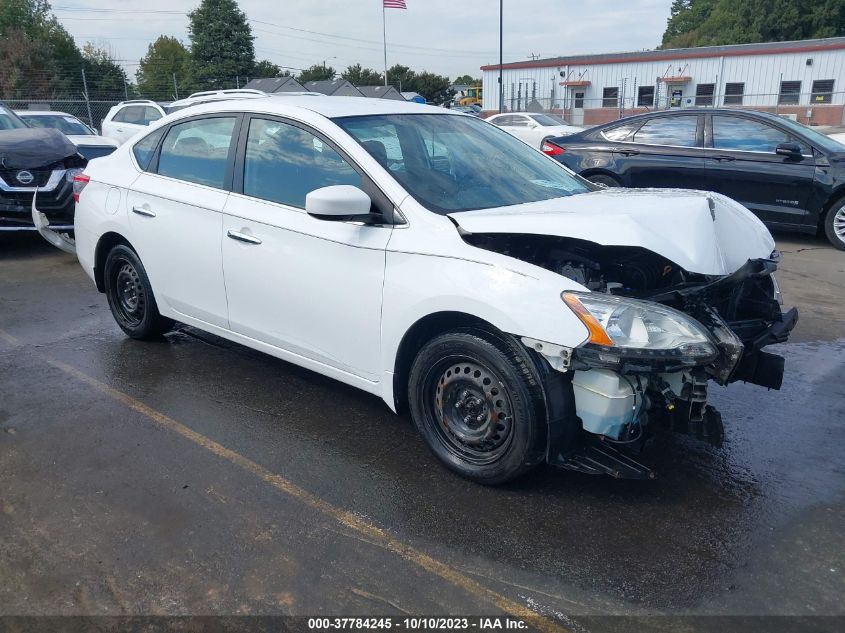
(834, 224)
(603, 179)
(476, 399)
(130, 295)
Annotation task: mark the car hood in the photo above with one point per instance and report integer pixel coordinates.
(702, 232)
(92, 139)
(32, 148)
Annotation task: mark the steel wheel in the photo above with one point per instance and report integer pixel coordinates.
(473, 408)
(839, 224)
(131, 299)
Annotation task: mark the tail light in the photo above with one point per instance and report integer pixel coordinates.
(79, 182)
(550, 149)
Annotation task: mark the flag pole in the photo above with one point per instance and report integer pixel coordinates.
(384, 32)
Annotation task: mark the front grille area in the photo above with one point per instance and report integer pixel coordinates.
(40, 177)
(57, 205)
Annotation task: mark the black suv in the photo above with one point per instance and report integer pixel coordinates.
(791, 176)
(33, 158)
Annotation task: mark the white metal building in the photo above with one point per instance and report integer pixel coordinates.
(802, 79)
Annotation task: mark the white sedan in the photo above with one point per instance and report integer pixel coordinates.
(89, 143)
(534, 128)
(518, 312)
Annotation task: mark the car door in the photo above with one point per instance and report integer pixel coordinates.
(665, 151)
(310, 286)
(175, 213)
(742, 163)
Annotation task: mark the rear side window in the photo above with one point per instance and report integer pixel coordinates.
(620, 132)
(678, 131)
(197, 151)
(144, 149)
(283, 163)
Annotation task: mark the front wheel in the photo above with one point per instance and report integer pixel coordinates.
(130, 295)
(476, 400)
(834, 225)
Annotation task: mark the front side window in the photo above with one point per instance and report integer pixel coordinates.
(130, 114)
(454, 163)
(197, 151)
(679, 131)
(283, 163)
(738, 133)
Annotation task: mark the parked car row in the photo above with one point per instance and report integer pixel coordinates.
(520, 313)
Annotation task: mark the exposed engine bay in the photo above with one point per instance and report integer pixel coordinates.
(621, 398)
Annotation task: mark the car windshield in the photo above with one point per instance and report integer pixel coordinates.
(454, 163)
(816, 138)
(63, 122)
(548, 120)
(9, 120)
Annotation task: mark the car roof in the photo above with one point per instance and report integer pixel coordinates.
(44, 113)
(695, 110)
(330, 107)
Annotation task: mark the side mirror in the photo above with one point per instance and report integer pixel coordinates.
(793, 150)
(337, 202)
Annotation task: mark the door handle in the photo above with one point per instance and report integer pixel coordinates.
(243, 237)
(145, 211)
(722, 157)
(629, 152)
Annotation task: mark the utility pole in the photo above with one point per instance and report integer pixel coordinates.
(125, 88)
(85, 94)
(501, 55)
(175, 89)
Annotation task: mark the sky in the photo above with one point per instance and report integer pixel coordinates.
(449, 37)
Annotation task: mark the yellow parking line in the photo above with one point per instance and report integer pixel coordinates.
(372, 532)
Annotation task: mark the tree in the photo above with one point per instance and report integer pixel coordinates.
(38, 56)
(221, 45)
(266, 69)
(401, 77)
(716, 22)
(317, 72)
(467, 80)
(105, 79)
(166, 57)
(433, 87)
(358, 76)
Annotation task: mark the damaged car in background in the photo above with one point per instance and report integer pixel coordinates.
(518, 312)
(35, 159)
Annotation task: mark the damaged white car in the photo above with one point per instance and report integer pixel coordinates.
(518, 312)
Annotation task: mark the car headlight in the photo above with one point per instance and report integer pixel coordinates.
(620, 326)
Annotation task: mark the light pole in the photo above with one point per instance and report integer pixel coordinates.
(501, 37)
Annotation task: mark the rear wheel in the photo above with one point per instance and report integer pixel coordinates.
(130, 295)
(476, 400)
(834, 225)
(604, 179)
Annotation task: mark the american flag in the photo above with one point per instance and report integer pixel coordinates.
(395, 4)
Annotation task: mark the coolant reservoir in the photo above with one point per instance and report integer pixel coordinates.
(605, 401)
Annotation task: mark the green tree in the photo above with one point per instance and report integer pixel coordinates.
(358, 76)
(433, 87)
(166, 57)
(716, 22)
(38, 56)
(467, 80)
(401, 77)
(105, 78)
(221, 45)
(317, 72)
(265, 69)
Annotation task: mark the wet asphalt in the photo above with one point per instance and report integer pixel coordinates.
(107, 509)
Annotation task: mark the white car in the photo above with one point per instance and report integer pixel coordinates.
(90, 144)
(532, 128)
(128, 118)
(519, 312)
